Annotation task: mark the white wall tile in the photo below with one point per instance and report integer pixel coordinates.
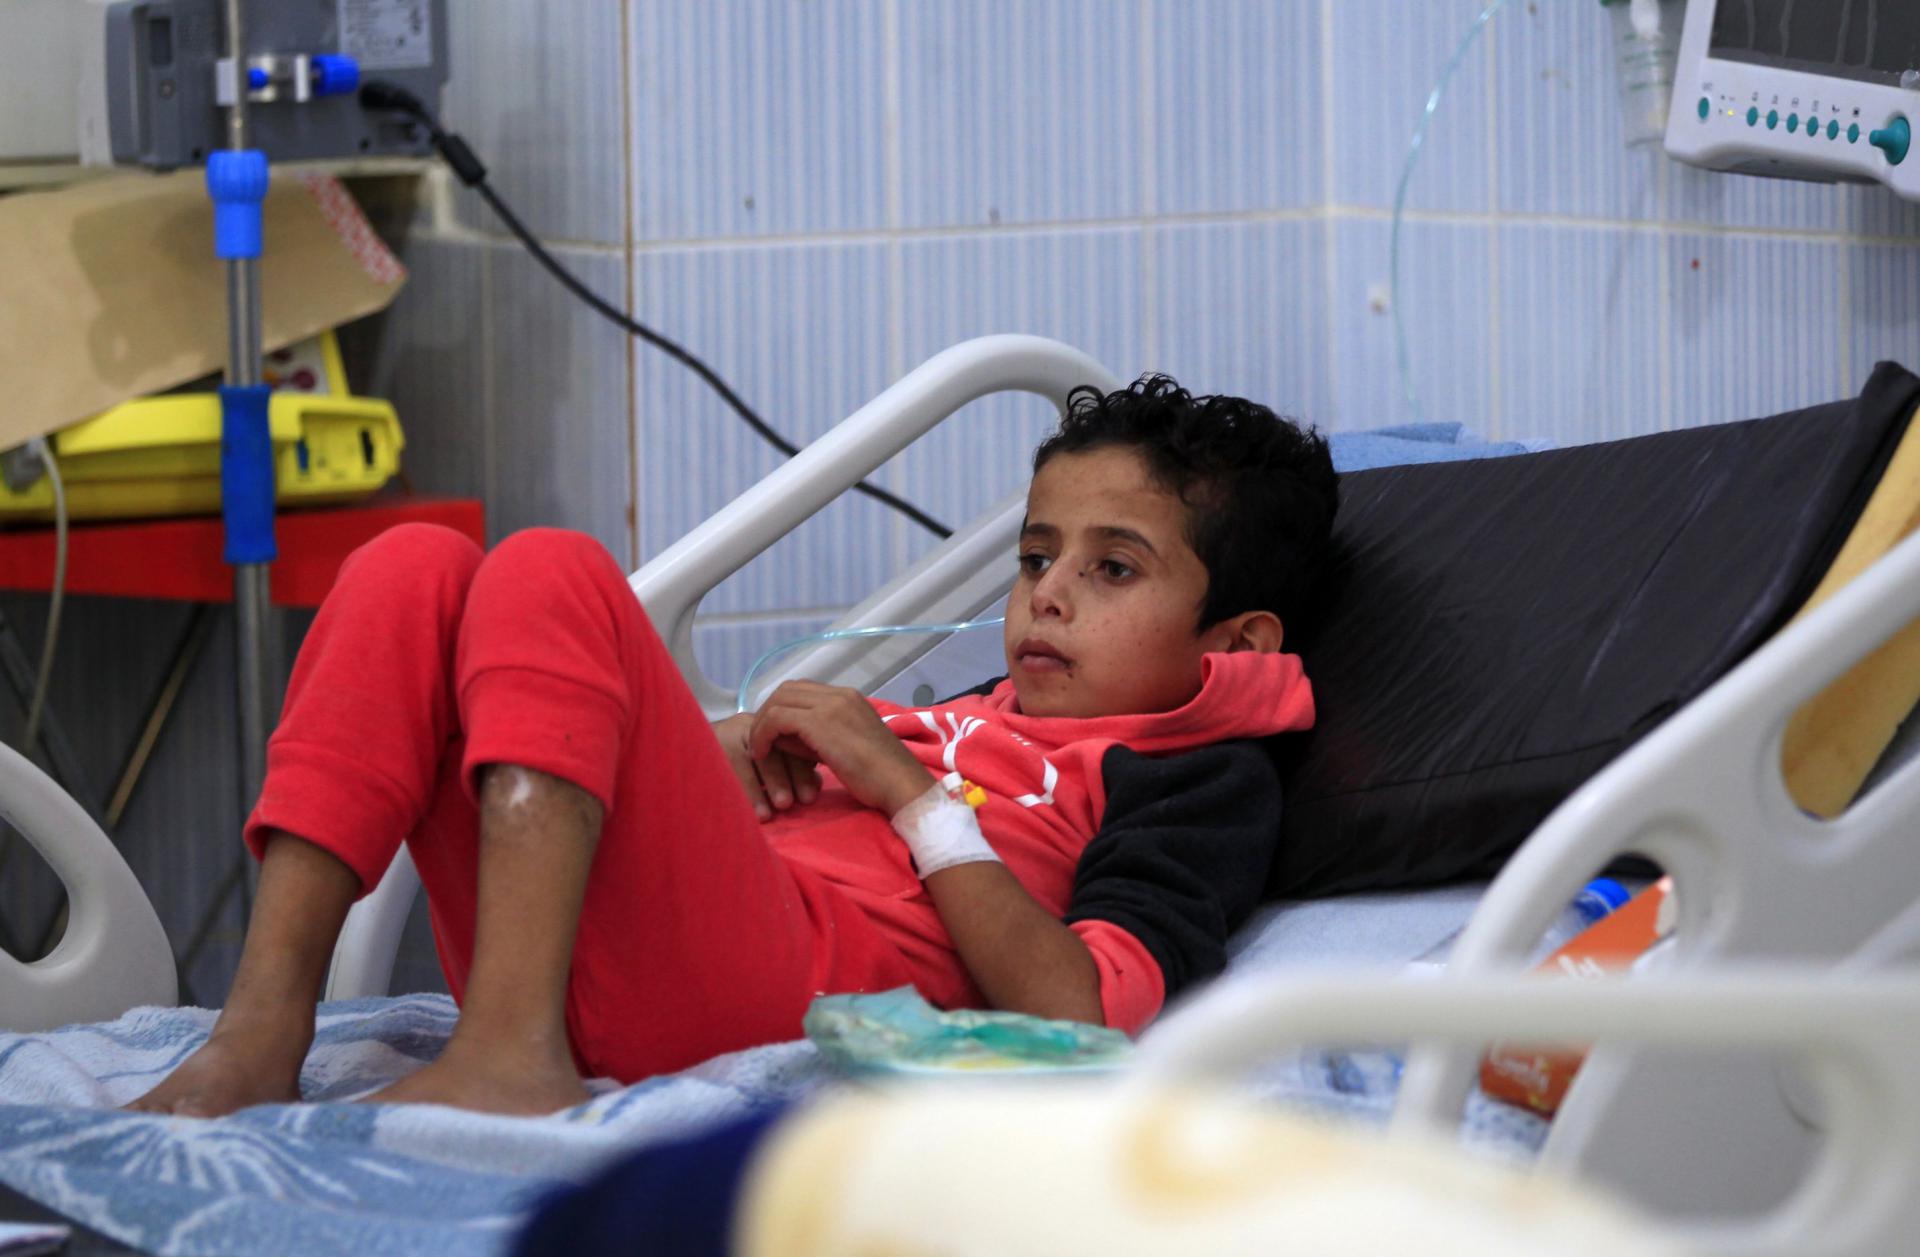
(1387, 57)
(1445, 279)
(1018, 111)
(1580, 334)
(1884, 308)
(536, 91)
(1558, 138)
(1241, 310)
(757, 118)
(798, 331)
(1081, 287)
(1875, 211)
(558, 374)
(1713, 199)
(1237, 107)
(1755, 327)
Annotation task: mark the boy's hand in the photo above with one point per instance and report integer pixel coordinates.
(835, 726)
(774, 783)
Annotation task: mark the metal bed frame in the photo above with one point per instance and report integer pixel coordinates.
(1762, 883)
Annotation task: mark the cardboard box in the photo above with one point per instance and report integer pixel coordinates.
(109, 290)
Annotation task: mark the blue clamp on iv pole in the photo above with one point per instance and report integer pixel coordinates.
(237, 182)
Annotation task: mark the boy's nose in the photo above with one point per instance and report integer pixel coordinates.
(1052, 593)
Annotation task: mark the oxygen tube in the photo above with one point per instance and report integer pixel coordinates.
(830, 635)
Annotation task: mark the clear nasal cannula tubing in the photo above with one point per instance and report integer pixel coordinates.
(834, 635)
(1400, 201)
(1645, 18)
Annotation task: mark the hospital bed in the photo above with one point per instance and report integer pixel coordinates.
(1701, 795)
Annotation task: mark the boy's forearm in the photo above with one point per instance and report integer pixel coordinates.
(1021, 957)
(303, 899)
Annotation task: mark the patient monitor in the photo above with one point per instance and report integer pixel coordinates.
(1825, 90)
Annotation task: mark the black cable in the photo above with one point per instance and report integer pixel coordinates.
(467, 167)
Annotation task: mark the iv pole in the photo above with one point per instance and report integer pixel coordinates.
(237, 182)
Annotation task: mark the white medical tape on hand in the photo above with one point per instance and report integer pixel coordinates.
(941, 831)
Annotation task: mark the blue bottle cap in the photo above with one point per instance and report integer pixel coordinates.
(1601, 896)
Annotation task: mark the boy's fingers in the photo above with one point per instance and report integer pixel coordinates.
(775, 722)
(802, 775)
(794, 748)
(766, 727)
(777, 780)
(756, 795)
(745, 770)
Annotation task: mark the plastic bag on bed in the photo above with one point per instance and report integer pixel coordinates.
(898, 1033)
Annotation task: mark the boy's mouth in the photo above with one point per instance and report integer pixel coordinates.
(1037, 656)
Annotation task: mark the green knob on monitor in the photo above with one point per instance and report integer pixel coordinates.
(1894, 140)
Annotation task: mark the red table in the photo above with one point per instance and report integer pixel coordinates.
(180, 558)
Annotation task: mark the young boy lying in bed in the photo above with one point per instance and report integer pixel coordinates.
(619, 889)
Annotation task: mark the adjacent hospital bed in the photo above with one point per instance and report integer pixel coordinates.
(1702, 795)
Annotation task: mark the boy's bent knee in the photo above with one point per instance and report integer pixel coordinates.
(544, 555)
(419, 552)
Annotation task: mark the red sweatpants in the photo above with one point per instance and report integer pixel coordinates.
(429, 661)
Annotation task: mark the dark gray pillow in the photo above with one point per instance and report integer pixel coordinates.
(1497, 631)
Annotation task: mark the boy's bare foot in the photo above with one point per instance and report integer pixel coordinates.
(233, 1070)
(489, 1082)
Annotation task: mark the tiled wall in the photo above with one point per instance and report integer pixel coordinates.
(1612, 290)
(815, 195)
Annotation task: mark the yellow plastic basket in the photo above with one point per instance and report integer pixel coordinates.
(161, 455)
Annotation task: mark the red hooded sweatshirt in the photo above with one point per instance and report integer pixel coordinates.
(1189, 827)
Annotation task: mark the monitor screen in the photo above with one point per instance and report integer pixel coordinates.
(1871, 40)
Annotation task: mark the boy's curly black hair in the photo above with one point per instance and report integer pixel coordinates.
(1260, 491)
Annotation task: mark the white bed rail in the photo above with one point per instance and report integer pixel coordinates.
(1758, 881)
(1853, 1037)
(965, 574)
(114, 953)
(673, 583)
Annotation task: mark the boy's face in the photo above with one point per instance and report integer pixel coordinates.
(1101, 620)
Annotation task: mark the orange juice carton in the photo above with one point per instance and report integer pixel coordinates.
(1538, 1078)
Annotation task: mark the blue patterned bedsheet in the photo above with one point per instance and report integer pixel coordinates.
(326, 1177)
(331, 1176)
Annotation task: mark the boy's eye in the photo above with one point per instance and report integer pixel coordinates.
(1033, 563)
(1115, 570)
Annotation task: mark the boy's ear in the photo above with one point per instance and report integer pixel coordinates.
(1250, 630)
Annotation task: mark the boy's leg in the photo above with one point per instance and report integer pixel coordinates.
(351, 768)
(693, 936)
(509, 1052)
(255, 1051)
